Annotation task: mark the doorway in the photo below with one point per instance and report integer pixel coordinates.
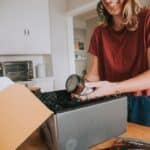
(81, 23)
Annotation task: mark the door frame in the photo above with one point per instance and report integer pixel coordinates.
(70, 14)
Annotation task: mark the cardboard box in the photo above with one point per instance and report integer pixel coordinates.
(22, 114)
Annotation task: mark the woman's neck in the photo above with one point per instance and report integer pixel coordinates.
(117, 23)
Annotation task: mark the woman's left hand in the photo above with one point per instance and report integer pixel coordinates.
(102, 88)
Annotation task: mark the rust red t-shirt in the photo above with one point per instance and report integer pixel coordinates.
(122, 54)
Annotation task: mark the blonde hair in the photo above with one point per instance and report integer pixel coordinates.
(130, 12)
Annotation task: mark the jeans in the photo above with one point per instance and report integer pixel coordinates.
(139, 109)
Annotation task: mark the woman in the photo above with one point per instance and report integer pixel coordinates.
(120, 55)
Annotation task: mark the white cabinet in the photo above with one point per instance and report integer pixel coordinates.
(24, 27)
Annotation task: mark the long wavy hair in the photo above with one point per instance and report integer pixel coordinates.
(131, 9)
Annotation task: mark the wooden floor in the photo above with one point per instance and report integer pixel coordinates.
(133, 131)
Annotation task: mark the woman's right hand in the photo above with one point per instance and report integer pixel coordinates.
(102, 88)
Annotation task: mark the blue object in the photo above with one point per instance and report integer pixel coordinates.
(139, 109)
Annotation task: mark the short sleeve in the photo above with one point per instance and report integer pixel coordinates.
(147, 27)
(95, 42)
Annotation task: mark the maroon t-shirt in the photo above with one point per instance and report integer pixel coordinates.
(122, 54)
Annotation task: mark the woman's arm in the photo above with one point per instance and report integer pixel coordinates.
(103, 88)
(139, 82)
(92, 71)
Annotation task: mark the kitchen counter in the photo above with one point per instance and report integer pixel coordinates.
(133, 131)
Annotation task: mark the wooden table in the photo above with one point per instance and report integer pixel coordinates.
(133, 131)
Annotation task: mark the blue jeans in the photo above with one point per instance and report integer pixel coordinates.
(139, 109)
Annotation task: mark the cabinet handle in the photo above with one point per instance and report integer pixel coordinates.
(28, 32)
(25, 31)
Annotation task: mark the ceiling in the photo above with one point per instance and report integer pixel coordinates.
(91, 14)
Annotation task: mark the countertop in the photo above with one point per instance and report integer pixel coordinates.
(133, 131)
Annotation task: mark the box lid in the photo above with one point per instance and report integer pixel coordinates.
(20, 114)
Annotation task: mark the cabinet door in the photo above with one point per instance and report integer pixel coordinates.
(24, 27)
(11, 22)
(37, 25)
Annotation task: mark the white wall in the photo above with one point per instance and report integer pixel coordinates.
(59, 42)
(91, 24)
(145, 2)
(74, 4)
(80, 24)
(76, 7)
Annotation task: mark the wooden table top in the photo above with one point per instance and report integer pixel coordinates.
(133, 131)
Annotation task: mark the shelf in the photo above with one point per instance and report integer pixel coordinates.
(80, 55)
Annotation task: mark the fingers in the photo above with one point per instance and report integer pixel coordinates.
(75, 96)
(95, 84)
(84, 98)
(88, 97)
(93, 95)
(92, 84)
(81, 98)
(99, 89)
(78, 97)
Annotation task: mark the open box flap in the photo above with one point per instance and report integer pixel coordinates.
(20, 114)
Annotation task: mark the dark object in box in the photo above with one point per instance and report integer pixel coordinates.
(77, 125)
